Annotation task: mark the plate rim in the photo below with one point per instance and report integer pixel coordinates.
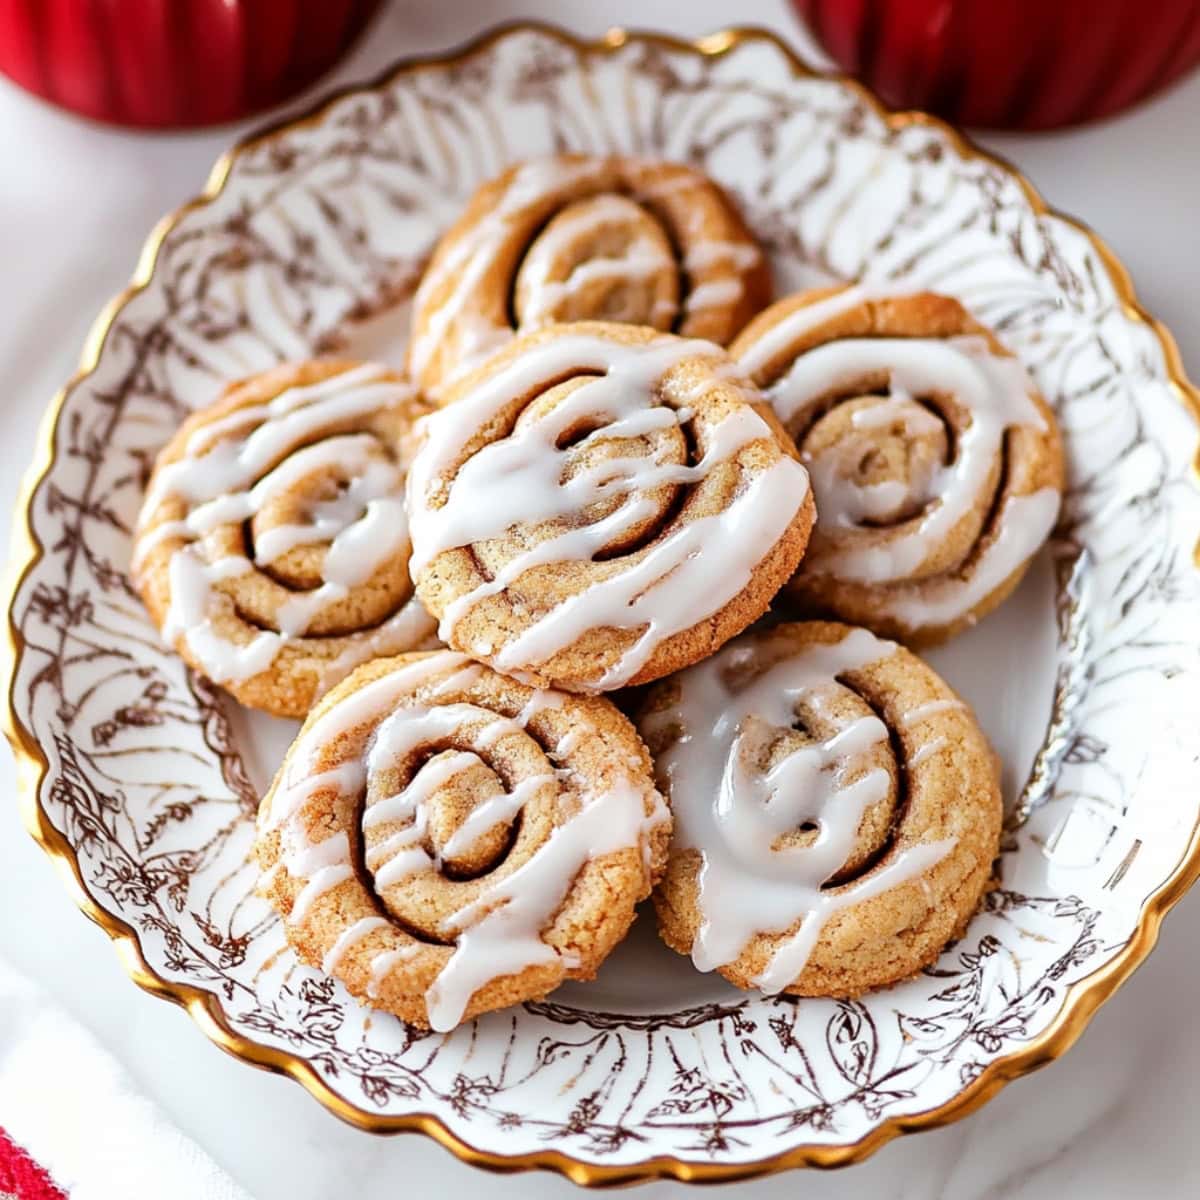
(1082, 998)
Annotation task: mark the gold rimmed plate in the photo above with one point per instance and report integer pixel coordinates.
(142, 783)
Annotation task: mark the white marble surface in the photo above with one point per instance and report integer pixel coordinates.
(1113, 1119)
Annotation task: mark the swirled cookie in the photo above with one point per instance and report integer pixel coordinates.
(573, 238)
(446, 841)
(599, 505)
(272, 547)
(837, 810)
(936, 465)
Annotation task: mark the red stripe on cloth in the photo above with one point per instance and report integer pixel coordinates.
(22, 1178)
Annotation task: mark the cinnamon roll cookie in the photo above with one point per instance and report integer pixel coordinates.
(572, 238)
(837, 810)
(446, 841)
(602, 504)
(936, 465)
(272, 547)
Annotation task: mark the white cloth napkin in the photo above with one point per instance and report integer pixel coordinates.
(69, 1104)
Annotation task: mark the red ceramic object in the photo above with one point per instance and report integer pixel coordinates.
(1010, 64)
(173, 62)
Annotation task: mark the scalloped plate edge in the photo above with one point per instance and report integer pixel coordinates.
(1083, 998)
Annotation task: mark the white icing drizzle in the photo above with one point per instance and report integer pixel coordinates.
(993, 388)
(734, 816)
(409, 628)
(563, 232)
(714, 294)
(489, 735)
(668, 588)
(385, 962)
(702, 255)
(924, 711)
(464, 677)
(1023, 523)
(568, 742)
(500, 932)
(344, 777)
(462, 270)
(348, 938)
(925, 751)
(897, 408)
(499, 810)
(996, 393)
(242, 445)
(778, 339)
(458, 273)
(322, 866)
(541, 700)
(318, 884)
(233, 467)
(642, 258)
(402, 854)
(418, 725)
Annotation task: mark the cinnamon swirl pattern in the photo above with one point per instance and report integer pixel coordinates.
(446, 841)
(572, 238)
(272, 547)
(837, 810)
(602, 504)
(937, 468)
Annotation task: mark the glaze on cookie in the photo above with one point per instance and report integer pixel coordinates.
(837, 810)
(599, 505)
(572, 238)
(272, 547)
(446, 841)
(936, 466)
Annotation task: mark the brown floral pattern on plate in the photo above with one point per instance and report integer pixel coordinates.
(135, 772)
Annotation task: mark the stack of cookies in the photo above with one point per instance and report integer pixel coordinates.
(613, 591)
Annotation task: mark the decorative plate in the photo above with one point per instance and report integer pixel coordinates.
(144, 781)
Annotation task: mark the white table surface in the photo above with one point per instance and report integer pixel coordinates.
(1113, 1119)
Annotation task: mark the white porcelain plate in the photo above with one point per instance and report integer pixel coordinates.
(1088, 680)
